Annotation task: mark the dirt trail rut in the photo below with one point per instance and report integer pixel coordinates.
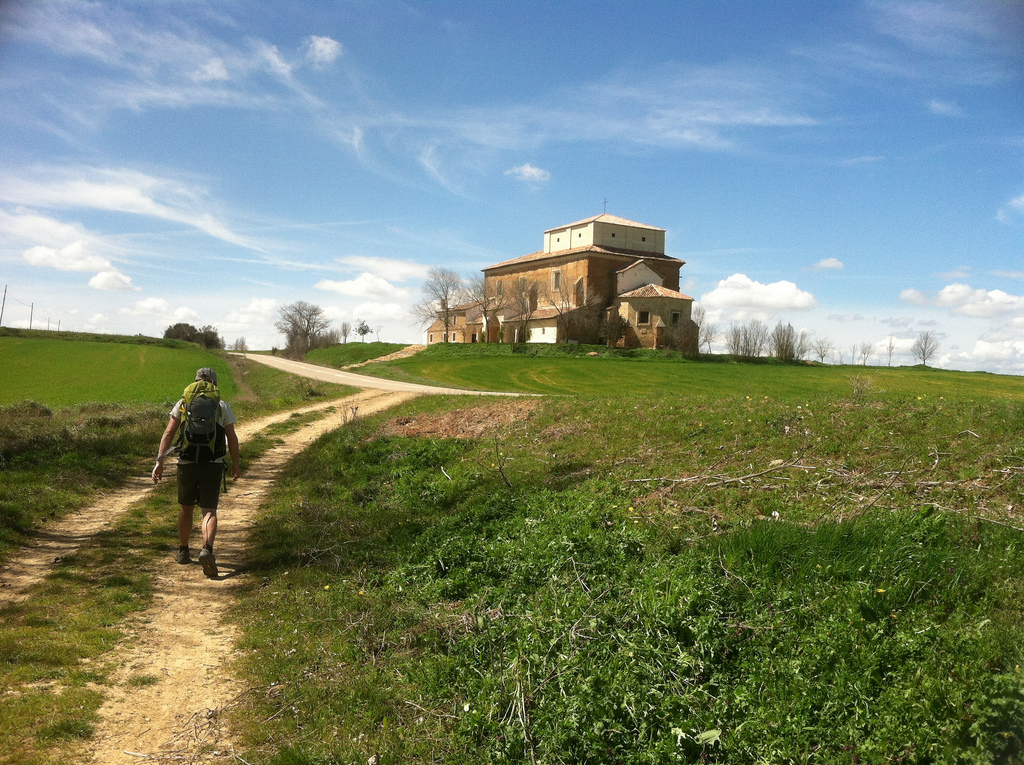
(182, 640)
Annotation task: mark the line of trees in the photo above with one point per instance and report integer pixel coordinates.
(207, 337)
(753, 340)
(306, 327)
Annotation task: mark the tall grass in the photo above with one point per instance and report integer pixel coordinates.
(630, 580)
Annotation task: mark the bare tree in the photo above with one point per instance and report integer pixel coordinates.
(784, 343)
(240, 345)
(303, 325)
(613, 326)
(444, 290)
(867, 350)
(734, 340)
(376, 331)
(345, 331)
(754, 339)
(889, 348)
(523, 299)
(822, 347)
(926, 346)
(707, 333)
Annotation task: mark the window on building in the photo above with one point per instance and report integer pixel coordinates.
(430, 338)
(474, 340)
(522, 283)
(455, 337)
(643, 317)
(613, 235)
(580, 296)
(643, 239)
(501, 288)
(556, 280)
(675, 318)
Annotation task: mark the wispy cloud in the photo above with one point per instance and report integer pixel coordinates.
(1011, 210)
(529, 174)
(828, 264)
(321, 51)
(386, 268)
(945, 108)
(120, 190)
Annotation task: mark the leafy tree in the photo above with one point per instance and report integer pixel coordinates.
(304, 326)
(206, 337)
(363, 329)
(182, 331)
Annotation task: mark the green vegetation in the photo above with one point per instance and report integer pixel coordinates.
(825, 577)
(351, 353)
(560, 369)
(54, 460)
(67, 373)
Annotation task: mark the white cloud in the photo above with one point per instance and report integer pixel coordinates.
(95, 323)
(258, 309)
(274, 60)
(945, 109)
(213, 70)
(742, 294)
(321, 51)
(72, 257)
(529, 174)
(389, 268)
(963, 272)
(113, 281)
(828, 264)
(161, 310)
(1008, 212)
(364, 285)
(964, 300)
(120, 190)
(865, 160)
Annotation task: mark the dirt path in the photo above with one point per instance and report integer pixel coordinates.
(68, 534)
(184, 641)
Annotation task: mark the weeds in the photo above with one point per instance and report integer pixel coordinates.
(441, 614)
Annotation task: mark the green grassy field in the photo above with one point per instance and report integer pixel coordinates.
(679, 562)
(62, 373)
(768, 564)
(499, 368)
(351, 353)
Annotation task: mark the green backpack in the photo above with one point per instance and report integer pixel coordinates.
(201, 437)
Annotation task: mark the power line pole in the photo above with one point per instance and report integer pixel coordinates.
(2, 306)
(31, 313)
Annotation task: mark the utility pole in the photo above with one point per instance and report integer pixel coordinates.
(2, 306)
(31, 313)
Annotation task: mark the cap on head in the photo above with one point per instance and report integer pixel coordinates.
(206, 374)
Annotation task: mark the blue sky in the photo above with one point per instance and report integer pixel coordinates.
(854, 168)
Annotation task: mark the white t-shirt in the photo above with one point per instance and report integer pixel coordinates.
(225, 417)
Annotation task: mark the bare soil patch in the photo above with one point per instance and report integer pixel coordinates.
(472, 422)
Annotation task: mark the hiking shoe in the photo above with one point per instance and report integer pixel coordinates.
(208, 562)
(183, 556)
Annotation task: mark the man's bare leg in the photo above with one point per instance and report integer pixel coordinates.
(206, 558)
(185, 517)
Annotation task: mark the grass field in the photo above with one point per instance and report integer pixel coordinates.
(768, 564)
(61, 373)
(499, 367)
(80, 416)
(679, 562)
(351, 353)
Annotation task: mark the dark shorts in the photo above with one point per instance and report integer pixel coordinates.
(199, 484)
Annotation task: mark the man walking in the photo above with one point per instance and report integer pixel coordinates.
(205, 429)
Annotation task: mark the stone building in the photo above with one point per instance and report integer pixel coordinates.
(600, 280)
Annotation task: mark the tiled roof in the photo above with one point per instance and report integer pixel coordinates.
(541, 255)
(606, 218)
(654, 290)
(538, 315)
